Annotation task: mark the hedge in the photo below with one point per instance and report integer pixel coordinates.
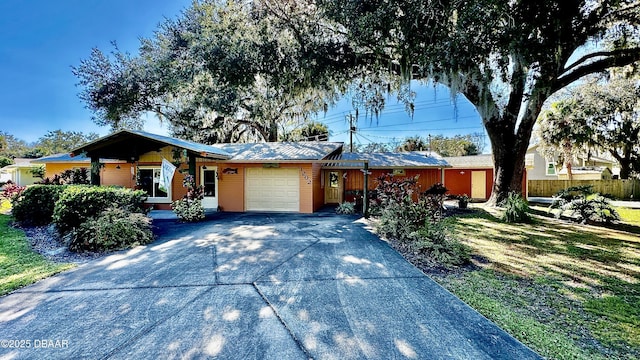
(34, 205)
(79, 203)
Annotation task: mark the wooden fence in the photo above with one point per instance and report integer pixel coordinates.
(620, 189)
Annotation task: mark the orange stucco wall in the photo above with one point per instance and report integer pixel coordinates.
(230, 188)
(53, 169)
(231, 185)
(318, 188)
(109, 173)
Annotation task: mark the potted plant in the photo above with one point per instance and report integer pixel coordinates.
(463, 201)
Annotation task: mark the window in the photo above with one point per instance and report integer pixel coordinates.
(551, 168)
(148, 180)
(209, 182)
(333, 179)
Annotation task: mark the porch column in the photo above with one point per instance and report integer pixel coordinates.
(365, 191)
(192, 165)
(95, 170)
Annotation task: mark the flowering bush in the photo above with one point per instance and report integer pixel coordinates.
(12, 191)
(190, 208)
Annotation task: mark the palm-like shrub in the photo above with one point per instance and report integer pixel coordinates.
(516, 209)
(584, 205)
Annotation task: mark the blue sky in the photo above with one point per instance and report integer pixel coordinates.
(41, 40)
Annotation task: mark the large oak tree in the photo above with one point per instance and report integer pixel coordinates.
(505, 56)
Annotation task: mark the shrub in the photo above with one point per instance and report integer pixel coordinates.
(346, 208)
(434, 200)
(584, 205)
(516, 209)
(434, 240)
(390, 190)
(78, 203)
(190, 208)
(78, 176)
(34, 206)
(114, 228)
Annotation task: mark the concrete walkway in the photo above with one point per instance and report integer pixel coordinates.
(249, 286)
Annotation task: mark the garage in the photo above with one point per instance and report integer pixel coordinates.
(272, 189)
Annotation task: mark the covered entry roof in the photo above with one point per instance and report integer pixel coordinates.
(130, 144)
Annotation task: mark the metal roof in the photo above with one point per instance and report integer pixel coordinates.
(484, 161)
(138, 142)
(66, 158)
(280, 151)
(388, 160)
(20, 163)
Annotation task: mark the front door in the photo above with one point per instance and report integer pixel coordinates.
(209, 180)
(478, 185)
(333, 187)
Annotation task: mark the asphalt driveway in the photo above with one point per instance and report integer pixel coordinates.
(249, 286)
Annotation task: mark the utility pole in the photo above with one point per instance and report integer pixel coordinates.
(352, 129)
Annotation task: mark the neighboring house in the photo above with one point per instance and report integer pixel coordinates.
(287, 176)
(586, 173)
(540, 168)
(471, 175)
(19, 172)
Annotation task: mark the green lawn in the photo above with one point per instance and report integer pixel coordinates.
(19, 265)
(631, 216)
(5, 206)
(569, 291)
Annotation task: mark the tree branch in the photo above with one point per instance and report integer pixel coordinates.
(625, 57)
(583, 59)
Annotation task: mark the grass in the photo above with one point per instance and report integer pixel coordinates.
(19, 265)
(568, 291)
(630, 216)
(5, 206)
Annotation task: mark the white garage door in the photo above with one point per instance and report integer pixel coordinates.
(272, 189)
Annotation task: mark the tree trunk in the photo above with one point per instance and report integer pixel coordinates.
(509, 150)
(625, 168)
(273, 131)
